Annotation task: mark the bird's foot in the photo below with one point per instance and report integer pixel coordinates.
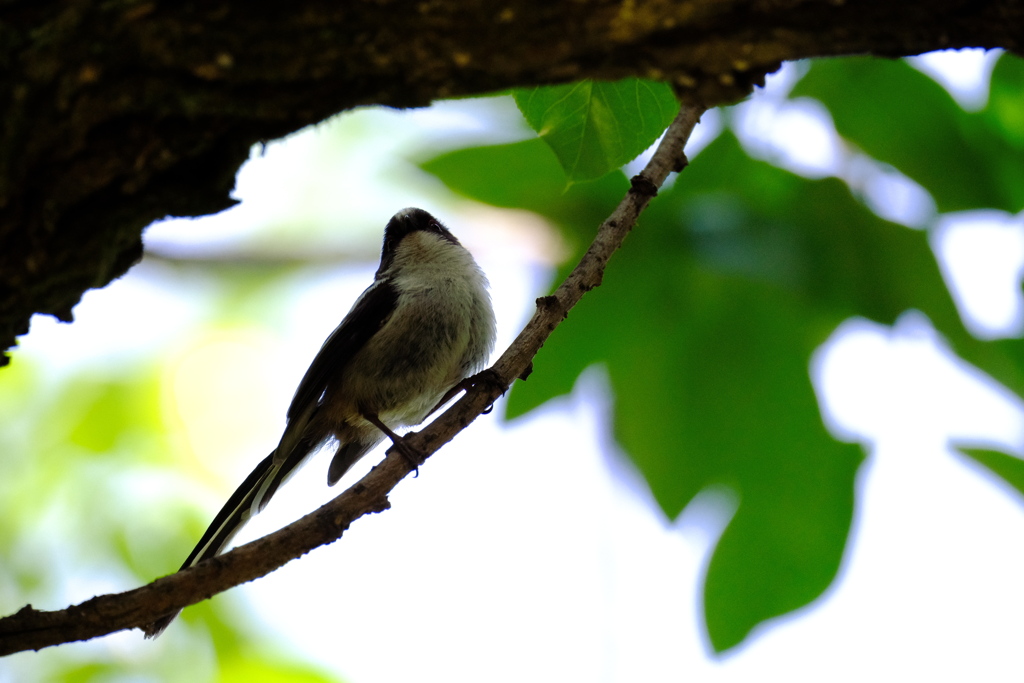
(414, 456)
(488, 376)
(491, 380)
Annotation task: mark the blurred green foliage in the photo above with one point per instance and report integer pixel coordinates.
(966, 160)
(708, 317)
(88, 498)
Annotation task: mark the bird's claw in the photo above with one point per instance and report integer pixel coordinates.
(412, 455)
(489, 377)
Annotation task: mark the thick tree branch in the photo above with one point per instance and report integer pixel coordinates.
(30, 629)
(119, 112)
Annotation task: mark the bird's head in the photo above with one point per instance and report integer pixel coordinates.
(416, 226)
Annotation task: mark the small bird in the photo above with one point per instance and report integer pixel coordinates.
(423, 326)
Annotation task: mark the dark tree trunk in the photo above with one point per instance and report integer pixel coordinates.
(121, 112)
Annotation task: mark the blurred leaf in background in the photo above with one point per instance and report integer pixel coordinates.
(709, 316)
(966, 160)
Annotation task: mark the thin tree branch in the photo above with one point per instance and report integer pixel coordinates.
(31, 629)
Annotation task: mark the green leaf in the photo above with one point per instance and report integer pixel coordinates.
(900, 116)
(754, 411)
(718, 393)
(595, 127)
(521, 174)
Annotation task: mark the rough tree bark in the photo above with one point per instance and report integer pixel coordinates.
(120, 112)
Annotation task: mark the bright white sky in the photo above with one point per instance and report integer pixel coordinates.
(532, 551)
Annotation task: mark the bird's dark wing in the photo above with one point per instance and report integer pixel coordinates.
(370, 312)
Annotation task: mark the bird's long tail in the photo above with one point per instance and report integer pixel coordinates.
(247, 500)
